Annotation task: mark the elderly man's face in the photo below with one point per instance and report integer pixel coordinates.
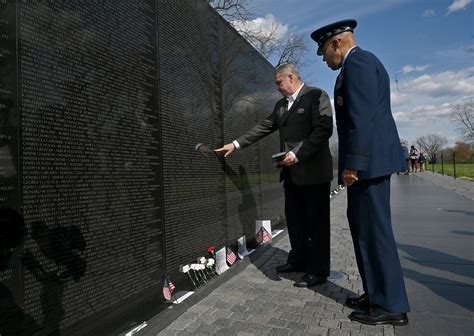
(285, 83)
(332, 54)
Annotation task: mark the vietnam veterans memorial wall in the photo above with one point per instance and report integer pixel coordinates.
(102, 190)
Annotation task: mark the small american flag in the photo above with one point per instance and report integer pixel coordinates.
(231, 257)
(266, 236)
(263, 236)
(168, 288)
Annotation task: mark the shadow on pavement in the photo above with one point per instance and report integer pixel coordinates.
(465, 212)
(330, 288)
(438, 286)
(464, 233)
(436, 259)
(444, 287)
(279, 257)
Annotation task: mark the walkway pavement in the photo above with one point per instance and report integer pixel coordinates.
(434, 229)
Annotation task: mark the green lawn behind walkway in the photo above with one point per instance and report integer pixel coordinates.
(465, 170)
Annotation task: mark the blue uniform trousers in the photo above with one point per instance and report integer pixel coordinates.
(368, 212)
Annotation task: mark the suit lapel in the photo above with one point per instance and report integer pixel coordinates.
(302, 92)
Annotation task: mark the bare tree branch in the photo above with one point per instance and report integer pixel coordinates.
(274, 42)
(291, 51)
(463, 113)
(266, 41)
(431, 144)
(232, 9)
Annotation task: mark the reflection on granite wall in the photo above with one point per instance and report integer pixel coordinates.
(191, 113)
(101, 188)
(249, 95)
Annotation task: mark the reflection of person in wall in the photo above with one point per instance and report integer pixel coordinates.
(248, 208)
(369, 152)
(304, 119)
(64, 246)
(13, 321)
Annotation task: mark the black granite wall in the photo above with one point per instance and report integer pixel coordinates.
(101, 187)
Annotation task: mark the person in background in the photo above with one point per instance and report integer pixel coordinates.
(421, 161)
(414, 159)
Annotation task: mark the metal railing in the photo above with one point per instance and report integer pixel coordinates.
(442, 165)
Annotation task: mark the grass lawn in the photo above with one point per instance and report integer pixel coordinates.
(465, 170)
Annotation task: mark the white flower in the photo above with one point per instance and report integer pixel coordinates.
(184, 269)
(201, 260)
(210, 262)
(195, 267)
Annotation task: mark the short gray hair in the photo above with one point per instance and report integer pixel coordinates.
(288, 67)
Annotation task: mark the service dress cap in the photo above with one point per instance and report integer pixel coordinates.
(322, 34)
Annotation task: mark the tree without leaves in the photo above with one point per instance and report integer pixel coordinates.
(463, 113)
(431, 144)
(292, 49)
(270, 42)
(231, 9)
(266, 41)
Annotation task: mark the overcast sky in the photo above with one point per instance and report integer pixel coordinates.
(428, 45)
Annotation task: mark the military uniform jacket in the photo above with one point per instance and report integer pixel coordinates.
(304, 129)
(368, 137)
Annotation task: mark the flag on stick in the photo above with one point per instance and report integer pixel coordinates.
(263, 229)
(168, 288)
(231, 257)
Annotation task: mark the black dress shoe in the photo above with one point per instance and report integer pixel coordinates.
(309, 280)
(377, 316)
(361, 302)
(287, 268)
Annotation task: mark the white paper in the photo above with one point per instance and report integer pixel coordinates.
(276, 233)
(221, 261)
(180, 297)
(242, 251)
(267, 225)
(136, 329)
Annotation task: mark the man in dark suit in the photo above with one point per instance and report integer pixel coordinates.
(369, 152)
(304, 119)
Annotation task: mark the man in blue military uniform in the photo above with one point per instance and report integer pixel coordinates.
(369, 152)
